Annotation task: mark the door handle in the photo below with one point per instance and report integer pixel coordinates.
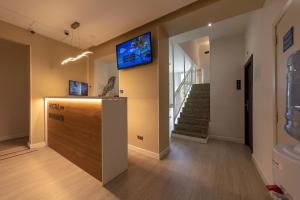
(247, 106)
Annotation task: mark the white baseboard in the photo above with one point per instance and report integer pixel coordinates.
(164, 153)
(144, 152)
(13, 136)
(37, 145)
(195, 139)
(260, 171)
(229, 139)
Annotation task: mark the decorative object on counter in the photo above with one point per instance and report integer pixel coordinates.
(109, 86)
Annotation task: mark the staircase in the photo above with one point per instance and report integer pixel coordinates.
(195, 115)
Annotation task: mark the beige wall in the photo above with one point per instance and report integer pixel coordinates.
(48, 77)
(227, 107)
(146, 87)
(260, 41)
(163, 59)
(14, 81)
(141, 86)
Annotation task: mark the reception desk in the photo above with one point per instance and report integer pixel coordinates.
(90, 132)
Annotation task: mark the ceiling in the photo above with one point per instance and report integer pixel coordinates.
(101, 20)
(228, 27)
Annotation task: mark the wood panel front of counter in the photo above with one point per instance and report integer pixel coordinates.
(74, 131)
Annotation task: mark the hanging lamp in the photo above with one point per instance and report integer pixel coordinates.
(74, 26)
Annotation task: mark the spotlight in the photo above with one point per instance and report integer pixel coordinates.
(67, 33)
(32, 31)
(209, 24)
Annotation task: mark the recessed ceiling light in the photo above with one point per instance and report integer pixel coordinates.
(209, 24)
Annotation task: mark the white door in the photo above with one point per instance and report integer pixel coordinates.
(290, 19)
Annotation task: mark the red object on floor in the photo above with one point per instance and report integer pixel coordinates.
(275, 188)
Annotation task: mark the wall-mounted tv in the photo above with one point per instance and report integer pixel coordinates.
(77, 88)
(137, 51)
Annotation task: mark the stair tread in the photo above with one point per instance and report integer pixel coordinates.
(191, 115)
(192, 134)
(195, 115)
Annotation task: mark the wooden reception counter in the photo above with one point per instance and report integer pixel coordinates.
(90, 132)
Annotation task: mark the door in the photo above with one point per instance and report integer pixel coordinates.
(290, 20)
(249, 103)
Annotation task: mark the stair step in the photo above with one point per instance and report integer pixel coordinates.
(191, 134)
(200, 101)
(196, 113)
(205, 85)
(199, 92)
(199, 96)
(190, 127)
(194, 116)
(194, 121)
(199, 107)
(196, 106)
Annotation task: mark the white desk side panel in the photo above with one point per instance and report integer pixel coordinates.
(114, 139)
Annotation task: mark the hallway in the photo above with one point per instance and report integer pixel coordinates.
(214, 171)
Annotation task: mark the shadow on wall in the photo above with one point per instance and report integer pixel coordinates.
(15, 82)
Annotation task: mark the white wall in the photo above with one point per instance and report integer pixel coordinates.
(204, 62)
(260, 41)
(15, 87)
(191, 48)
(227, 107)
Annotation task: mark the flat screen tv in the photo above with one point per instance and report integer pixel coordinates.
(137, 51)
(77, 88)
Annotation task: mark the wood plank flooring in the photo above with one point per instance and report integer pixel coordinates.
(13, 143)
(213, 171)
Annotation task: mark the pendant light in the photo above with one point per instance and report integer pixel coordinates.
(75, 26)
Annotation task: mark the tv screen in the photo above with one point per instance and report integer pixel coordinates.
(77, 88)
(136, 51)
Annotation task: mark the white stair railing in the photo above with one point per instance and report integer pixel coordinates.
(182, 91)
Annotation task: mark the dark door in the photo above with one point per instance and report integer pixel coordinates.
(249, 103)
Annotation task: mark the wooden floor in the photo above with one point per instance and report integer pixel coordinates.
(214, 171)
(13, 143)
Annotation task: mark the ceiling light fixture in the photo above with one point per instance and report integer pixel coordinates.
(72, 59)
(209, 24)
(74, 26)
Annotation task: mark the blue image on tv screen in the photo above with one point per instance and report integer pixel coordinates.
(78, 88)
(134, 52)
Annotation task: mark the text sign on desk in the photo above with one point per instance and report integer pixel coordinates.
(74, 131)
(55, 116)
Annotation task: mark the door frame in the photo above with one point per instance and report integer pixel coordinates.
(248, 139)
